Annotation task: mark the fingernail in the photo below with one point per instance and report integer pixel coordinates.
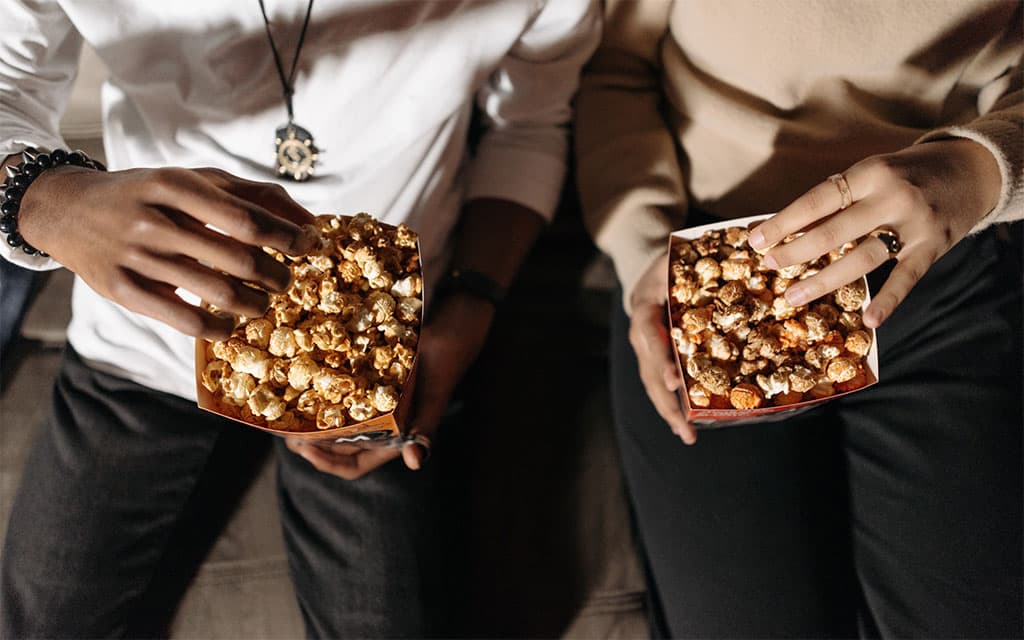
(756, 239)
(412, 458)
(771, 261)
(309, 240)
(796, 296)
(874, 317)
(226, 315)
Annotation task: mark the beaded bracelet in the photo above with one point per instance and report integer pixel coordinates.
(21, 176)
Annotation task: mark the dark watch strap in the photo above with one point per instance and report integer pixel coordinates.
(474, 283)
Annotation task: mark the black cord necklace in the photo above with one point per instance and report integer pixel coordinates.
(296, 153)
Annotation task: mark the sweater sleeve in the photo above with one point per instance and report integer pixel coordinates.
(39, 50)
(1000, 129)
(628, 171)
(526, 108)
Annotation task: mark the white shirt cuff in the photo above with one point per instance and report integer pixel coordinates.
(11, 146)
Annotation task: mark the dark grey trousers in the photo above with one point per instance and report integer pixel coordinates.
(105, 486)
(893, 512)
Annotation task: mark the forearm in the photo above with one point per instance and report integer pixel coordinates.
(494, 238)
(628, 172)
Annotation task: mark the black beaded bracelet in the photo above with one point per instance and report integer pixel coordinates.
(21, 176)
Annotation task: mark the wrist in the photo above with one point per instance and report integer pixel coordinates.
(988, 177)
(42, 203)
(25, 190)
(472, 284)
(982, 180)
(459, 309)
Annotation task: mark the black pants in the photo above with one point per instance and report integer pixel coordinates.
(105, 485)
(894, 512)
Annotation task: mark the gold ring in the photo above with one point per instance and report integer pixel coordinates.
(839, 180)
(890, 239)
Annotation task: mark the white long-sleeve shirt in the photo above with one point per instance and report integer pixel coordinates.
(386, 88)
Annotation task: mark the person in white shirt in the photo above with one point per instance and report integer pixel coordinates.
(191, 111)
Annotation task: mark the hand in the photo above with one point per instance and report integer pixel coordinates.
(136, 236)
(931, 195)
(650, 339)
(447, 347)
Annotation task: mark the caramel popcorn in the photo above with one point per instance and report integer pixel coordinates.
(737, 269)
(731, 317)
(696, 320)
(237, 387)
(258, 332)
(841, 369)
(721, 349)
(715, 379)
(851, 320)
(338, 346)
(851, 296)
(264, 402)
(858, 342)
(732, 292)
(707, 270)
(742, 344)
(699, 396)
(736, 237)
(746, 396)
(215, 371)
(384, 398)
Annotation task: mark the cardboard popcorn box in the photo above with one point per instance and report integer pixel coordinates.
(731, 349)
(335, 357)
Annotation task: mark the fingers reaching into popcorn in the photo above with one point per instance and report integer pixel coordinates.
(743, 343)
(336, 348)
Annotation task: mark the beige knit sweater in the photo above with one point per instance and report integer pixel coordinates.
(739, 106)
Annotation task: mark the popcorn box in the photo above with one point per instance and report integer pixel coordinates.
(714, 417)
(385, 426)
(376, 431)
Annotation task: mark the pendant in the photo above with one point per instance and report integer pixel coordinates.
(296, 153)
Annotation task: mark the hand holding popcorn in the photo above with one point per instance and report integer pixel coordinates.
(742, 342)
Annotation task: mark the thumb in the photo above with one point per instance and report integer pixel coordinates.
(651, 328)
(413, 455)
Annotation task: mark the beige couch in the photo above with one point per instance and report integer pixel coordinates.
(551, 552)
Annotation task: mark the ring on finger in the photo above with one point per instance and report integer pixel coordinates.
(418, 438)
(890, 239)
(846, 196)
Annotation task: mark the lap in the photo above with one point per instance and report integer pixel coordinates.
(935, 455)
(98, 499)
(106, 485)
(917, 478)
(744, 533)
(364, 554)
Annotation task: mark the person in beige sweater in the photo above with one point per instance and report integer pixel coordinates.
(895, 511)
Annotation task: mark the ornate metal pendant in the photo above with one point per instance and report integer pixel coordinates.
(296, 153)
